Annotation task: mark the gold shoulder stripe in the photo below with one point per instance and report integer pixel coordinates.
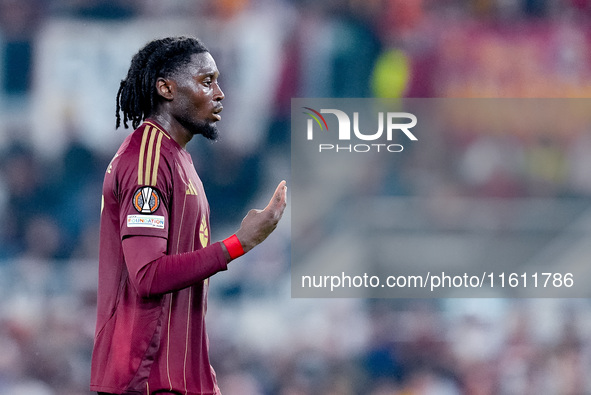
(157, 160)
(156, 126)
(150, 155)
(140, 166)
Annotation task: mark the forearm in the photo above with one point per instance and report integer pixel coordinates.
(152, 272)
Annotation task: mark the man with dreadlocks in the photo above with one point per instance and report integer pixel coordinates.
(155, 251)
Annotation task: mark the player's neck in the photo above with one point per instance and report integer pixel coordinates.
(176, 131)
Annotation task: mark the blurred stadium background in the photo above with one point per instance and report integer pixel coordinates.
(60, 65)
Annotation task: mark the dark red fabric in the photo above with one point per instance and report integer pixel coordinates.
(154, 263)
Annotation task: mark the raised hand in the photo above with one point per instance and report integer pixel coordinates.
(258, 224)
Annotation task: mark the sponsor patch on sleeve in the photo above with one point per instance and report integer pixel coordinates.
(146, 200)
(145, 221)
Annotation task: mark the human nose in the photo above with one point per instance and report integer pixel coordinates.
(218, 93)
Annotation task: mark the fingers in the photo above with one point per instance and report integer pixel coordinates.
(278, 200)
(258, 224)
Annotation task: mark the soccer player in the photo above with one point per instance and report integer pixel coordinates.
(155, 251)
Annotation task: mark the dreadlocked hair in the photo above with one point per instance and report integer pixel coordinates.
(137, 96)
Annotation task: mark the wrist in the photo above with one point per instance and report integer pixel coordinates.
(233, 246)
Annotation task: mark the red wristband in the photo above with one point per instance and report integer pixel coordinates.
(233, 246)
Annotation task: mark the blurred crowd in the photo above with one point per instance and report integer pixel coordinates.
(262, 341)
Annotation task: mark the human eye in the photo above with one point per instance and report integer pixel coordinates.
(209, 79)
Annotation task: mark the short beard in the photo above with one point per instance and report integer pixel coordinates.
(209, 130)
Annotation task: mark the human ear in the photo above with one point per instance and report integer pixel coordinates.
(165, 88)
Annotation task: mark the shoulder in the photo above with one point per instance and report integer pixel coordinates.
(145, 158)
(153, 153)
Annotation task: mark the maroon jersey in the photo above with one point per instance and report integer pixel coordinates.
(150, 331)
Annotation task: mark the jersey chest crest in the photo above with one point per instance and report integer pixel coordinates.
(203, 231)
